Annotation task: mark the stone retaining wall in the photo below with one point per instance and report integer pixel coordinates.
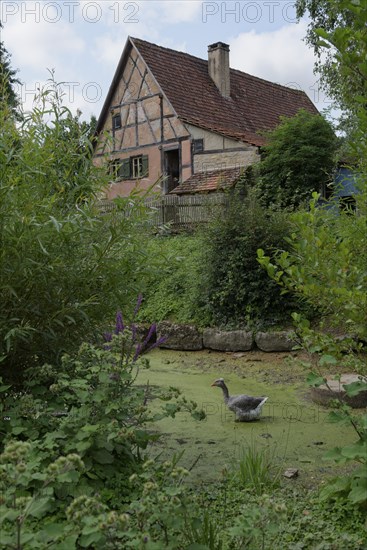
(190, 338)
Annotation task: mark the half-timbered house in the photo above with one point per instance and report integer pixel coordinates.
(183, 123)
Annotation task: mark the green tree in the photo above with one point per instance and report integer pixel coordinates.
(330, 258)
(8, 82)
(298, 159)
(91, 125)
(63, 265)
(327, 262)
(333, 17)
(346, 43)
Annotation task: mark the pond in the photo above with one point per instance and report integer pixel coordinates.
(295, 429)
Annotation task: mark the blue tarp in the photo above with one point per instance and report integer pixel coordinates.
(345, 183)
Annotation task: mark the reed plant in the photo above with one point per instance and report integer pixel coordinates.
(257, 470)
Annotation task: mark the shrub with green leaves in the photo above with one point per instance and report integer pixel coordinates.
(234, 289)
(90, 424)
(92, 407)
(297, 160)
(64, 267)
(28, 496)
(153, 517)
(325, 264)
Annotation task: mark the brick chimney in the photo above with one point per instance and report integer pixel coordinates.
(218, 67)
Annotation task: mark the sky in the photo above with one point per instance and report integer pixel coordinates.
(82, 41)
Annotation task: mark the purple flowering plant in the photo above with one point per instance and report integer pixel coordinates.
(120, 327)
(126, 348)
(125, 338)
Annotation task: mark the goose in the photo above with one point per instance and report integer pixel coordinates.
(247, 408)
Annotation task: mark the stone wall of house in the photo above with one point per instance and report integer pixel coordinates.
(220, 160)
(221, 152)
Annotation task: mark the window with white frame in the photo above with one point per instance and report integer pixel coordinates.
(137, 166)
(131, 168)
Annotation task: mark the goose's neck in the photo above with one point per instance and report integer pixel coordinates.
(225, 392)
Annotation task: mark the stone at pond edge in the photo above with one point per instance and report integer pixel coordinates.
(180, 337)
(291, 473)
(233, 340)
(275, 341)
(323, 395)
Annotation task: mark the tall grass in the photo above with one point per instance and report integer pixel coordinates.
(204, 533)
(257, 469)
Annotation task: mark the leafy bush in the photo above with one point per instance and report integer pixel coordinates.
(92, 407)
(172, 288)
(153, 517)
(234, 289)
(95, 418)
(63, 266)
(8, 82)
(298, 159)
(22, 507)
(325, 265)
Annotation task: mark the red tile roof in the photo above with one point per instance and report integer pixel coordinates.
(204, 182)
(255, 104)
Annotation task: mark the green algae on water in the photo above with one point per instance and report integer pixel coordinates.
(296, 429)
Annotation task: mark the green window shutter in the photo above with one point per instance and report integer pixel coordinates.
(124, 170)
(145, 166)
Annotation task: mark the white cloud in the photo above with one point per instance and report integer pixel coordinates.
(280, 56)
(114, 12)
(108, 49)
(129, 13)
(179, 11)
(41, 45)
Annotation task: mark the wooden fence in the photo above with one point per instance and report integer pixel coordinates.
(179, 213)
